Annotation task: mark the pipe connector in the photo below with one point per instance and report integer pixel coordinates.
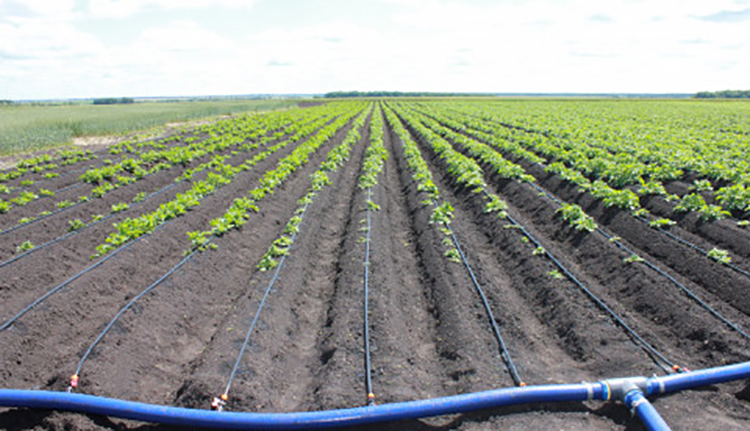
(633, 399)
(617, 389)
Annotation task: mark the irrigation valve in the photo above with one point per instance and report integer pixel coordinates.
(218, 403)
(370, 399)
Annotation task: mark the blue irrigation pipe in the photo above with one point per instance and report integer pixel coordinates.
(641, 407)
(599, 391)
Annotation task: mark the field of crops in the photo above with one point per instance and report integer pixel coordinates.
(31, 127)
(377, 251)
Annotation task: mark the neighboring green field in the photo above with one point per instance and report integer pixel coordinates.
(25, 128)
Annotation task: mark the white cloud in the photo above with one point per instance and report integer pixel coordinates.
(433, 45)
(126, 8)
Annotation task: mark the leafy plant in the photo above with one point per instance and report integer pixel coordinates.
(372, 206)
(497, 205)
(701, 186)
(662, 223)
(633, 258)
(577, 218)
(120, 207)
(75, 224)
(453, 255)
(691, 202)
(25, 246)
(721, 256)
(442, 214)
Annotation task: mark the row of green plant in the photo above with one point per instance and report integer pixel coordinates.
(241, 136)
(479, 151)
(46, 162)
(620, 198)
(238, 213)
(443, 213)
(628, 200)
(376, 154)
(221, 175)
(335, 158)
(637, 158)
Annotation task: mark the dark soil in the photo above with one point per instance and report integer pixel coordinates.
(430, 335)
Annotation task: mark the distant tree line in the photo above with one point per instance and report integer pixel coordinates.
(6, 102)
(726, 94)
(113, 100)
(340, 94)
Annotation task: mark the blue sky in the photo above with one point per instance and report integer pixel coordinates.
(95, 48)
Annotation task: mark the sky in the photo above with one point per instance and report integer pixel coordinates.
(58, 49)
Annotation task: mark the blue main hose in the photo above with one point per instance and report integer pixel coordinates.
(645, 411)
(289, 421)
(360, 415)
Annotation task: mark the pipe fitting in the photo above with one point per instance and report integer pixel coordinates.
(617, 389)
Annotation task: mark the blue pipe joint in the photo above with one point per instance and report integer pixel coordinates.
(617, 389)
(641, 407)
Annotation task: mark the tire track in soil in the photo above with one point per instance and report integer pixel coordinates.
(278, 370)
(69, 320)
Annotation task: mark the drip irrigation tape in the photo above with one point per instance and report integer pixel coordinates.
(493, 323)
(260, 308)
(40, 218)
(693, 246)
(648, 348)
(370, 397)
(57, 288)
(661, 272)
(669, 234)
(75, 232)
(130, 304)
